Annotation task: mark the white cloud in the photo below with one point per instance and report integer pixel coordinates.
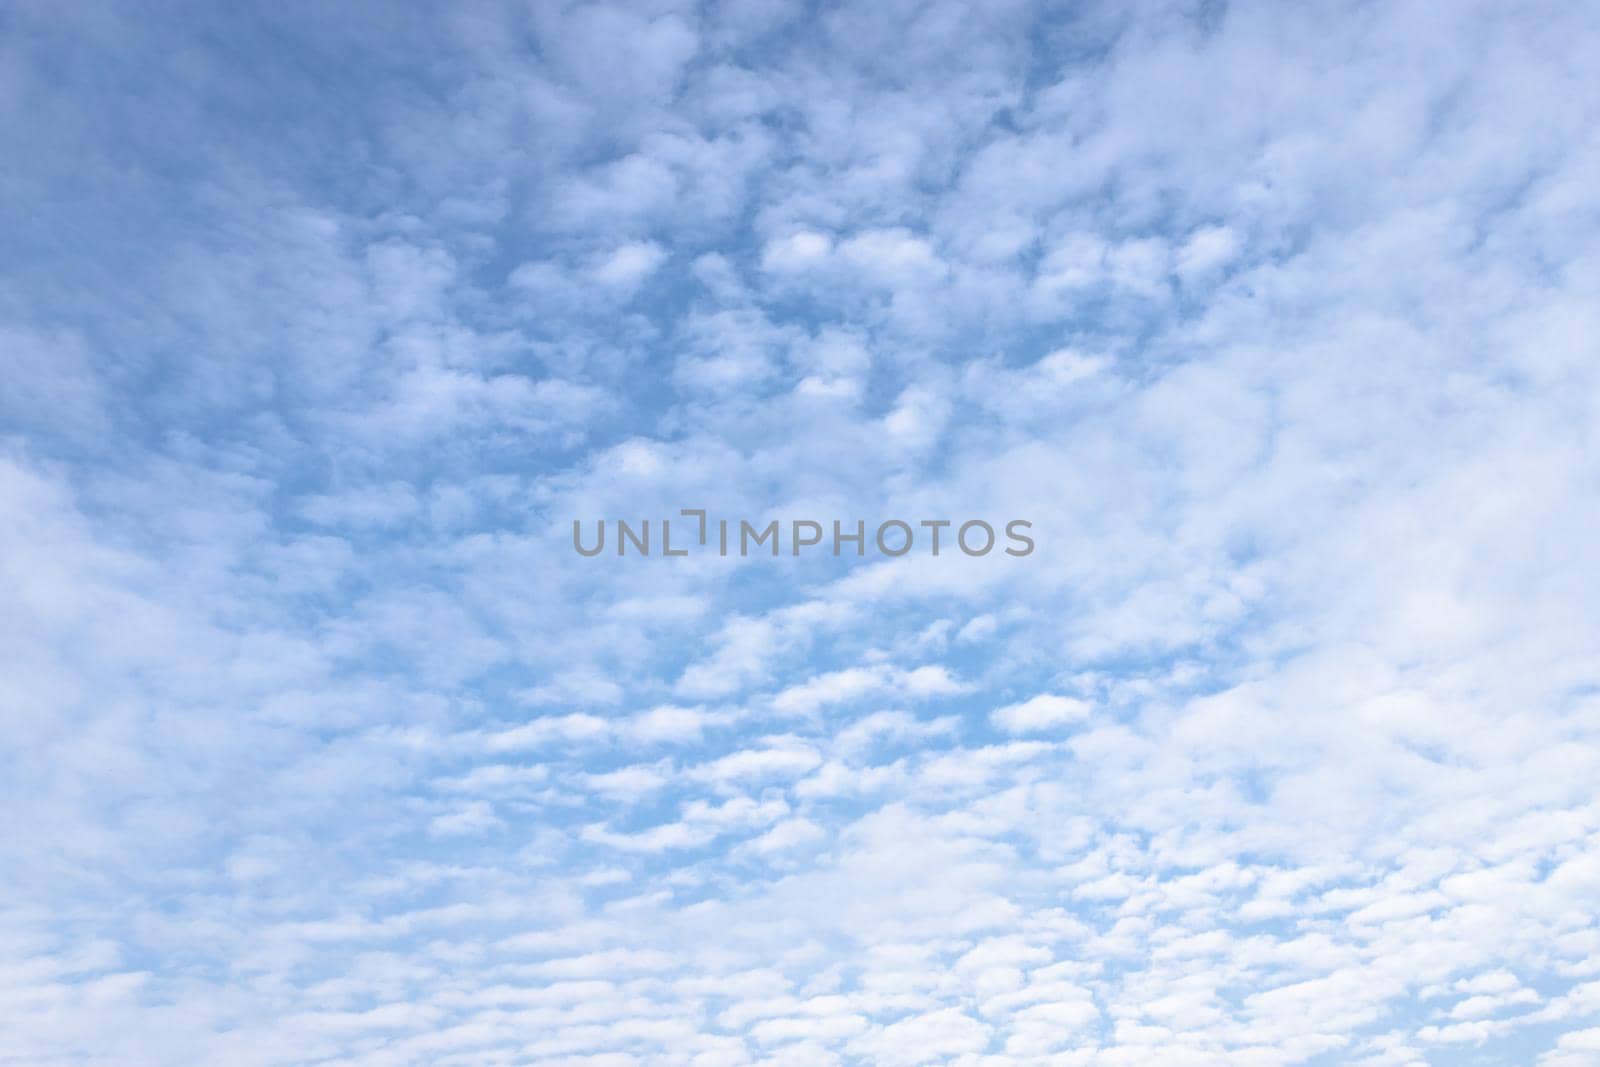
(1045, 712)
(628, 265)
(796, 252)
(1207, 251)
(787, 836)
(474, 819)
(668, 723)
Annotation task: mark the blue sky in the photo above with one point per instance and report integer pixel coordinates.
(320, 324)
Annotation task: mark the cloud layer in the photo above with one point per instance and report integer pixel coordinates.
(320, 325)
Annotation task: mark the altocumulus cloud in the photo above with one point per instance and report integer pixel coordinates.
(320, 323)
